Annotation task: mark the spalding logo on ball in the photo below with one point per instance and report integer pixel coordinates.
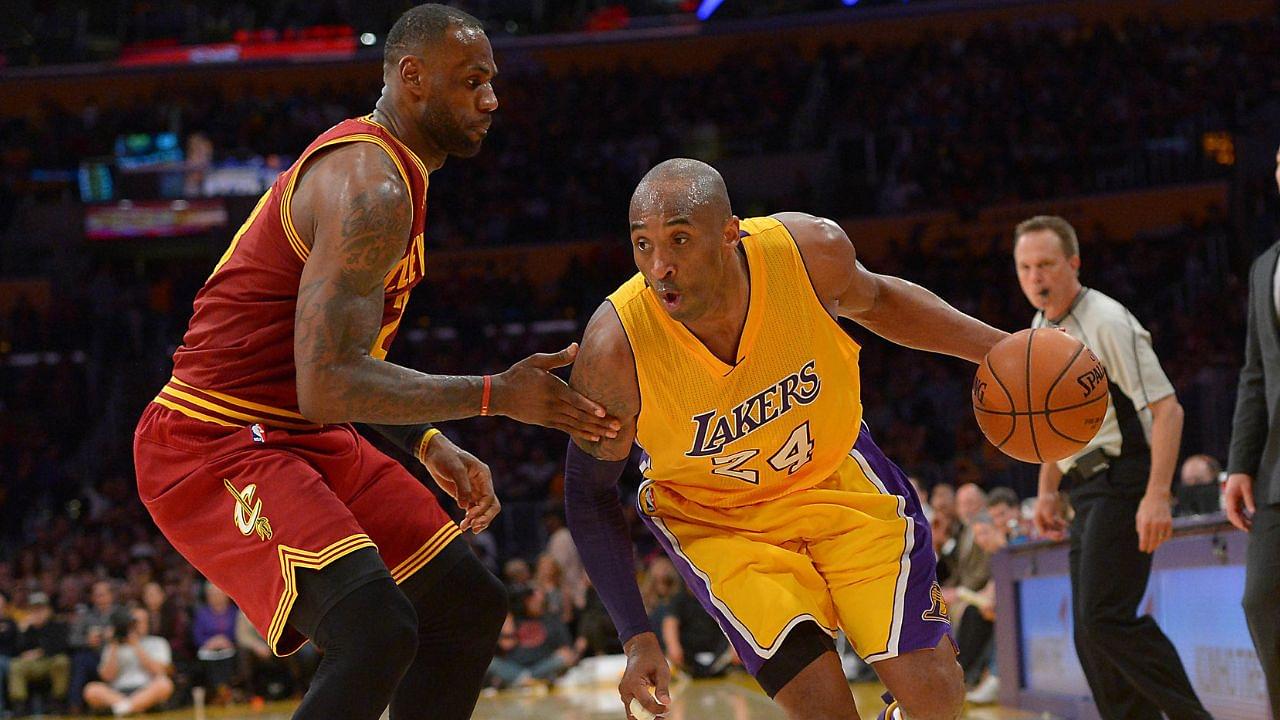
(1040, 395)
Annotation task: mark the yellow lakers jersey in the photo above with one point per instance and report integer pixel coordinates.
(779, 420)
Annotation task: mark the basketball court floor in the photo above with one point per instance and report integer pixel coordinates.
(735, 698)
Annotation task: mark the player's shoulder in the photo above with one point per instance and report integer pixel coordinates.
(825, 249)
(605, 338)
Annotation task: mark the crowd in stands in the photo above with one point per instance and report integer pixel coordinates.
(1008, 113)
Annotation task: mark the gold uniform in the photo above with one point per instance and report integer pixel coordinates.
(763, 485)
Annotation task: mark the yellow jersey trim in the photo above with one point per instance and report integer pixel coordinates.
(242, 403)
(293, 558)
(226, 410)
(425, 554)
(191, 413)
(286, 214)
(235, 240)
(368, 119)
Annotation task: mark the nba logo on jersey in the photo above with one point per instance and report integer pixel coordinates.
(646, 497)
(259, 434)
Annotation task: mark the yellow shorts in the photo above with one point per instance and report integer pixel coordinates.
(855, 552)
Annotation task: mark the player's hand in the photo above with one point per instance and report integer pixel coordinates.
(1049, 519)
(1154, 520)
(1239, 499)
(466, 479)
(530, 393)
(646, 668)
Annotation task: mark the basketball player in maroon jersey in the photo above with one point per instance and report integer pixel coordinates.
(247, 460)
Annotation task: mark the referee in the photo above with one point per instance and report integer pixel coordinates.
(1119, 486)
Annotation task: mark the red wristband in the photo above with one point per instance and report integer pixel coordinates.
(484, 400)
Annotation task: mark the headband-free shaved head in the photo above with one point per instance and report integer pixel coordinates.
(681, 187)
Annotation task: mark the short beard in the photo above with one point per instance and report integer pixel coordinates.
(447, 134)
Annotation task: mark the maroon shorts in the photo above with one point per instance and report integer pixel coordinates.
(248, 506)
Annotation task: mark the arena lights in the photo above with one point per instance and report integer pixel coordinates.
(707, 7)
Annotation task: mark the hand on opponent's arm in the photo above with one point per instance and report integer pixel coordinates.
(895, 309)
(354, 213)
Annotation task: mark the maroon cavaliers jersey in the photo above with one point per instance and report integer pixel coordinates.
(236, 366)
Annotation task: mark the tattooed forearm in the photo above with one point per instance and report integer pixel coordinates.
(340, 308)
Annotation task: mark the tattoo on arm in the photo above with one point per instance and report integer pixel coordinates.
(363, 222)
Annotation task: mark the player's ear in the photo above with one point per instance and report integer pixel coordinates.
(411, 74)
(732, 230)
(1074, 262)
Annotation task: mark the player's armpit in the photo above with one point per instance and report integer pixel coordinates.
(353, 208)
(605, 371)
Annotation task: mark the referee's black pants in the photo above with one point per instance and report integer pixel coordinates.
(1132, 668)
(1262, 596)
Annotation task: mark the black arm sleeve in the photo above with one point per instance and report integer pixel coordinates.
(405, 437)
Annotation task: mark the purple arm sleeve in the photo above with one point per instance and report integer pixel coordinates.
(594, 516)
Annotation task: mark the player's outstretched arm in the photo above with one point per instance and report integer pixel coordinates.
(605, 370)
(893, 308)
(352, 208)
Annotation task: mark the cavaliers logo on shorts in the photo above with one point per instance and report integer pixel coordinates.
(938, 610)
(248, 512)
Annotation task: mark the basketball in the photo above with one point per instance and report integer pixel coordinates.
(1040, 395)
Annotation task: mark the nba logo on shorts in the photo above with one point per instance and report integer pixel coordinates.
(646, 497)
(259, 434)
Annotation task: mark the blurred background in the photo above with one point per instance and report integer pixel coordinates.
(136, 136)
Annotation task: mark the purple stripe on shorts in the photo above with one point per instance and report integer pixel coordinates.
(698, 586)
(917, 632)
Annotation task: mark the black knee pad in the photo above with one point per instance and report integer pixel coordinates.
(374, 628)
(456, 590)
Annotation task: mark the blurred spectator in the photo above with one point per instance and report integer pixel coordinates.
(694, 642)
(660, 586)
(548, 578)
(90, 630)
(560, 546)
(8, 648)
(42, 655)
(1005, 511)
(268, 676)
(976, 631)
(534, 646)
(945, 524)
(596, 632)
(967, 564)
(1198, 492)
(516, 573)
(135, 667)
(213, 630)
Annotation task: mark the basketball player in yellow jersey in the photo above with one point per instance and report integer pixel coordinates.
(723, 359)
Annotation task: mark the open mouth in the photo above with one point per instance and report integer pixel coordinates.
(670, 298)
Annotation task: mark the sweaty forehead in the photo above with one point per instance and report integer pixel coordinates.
(664, 201)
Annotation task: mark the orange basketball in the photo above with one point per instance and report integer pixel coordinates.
(1040, 395)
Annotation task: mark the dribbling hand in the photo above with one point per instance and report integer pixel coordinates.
(466, 479)
(530, 393)
(646, 669)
